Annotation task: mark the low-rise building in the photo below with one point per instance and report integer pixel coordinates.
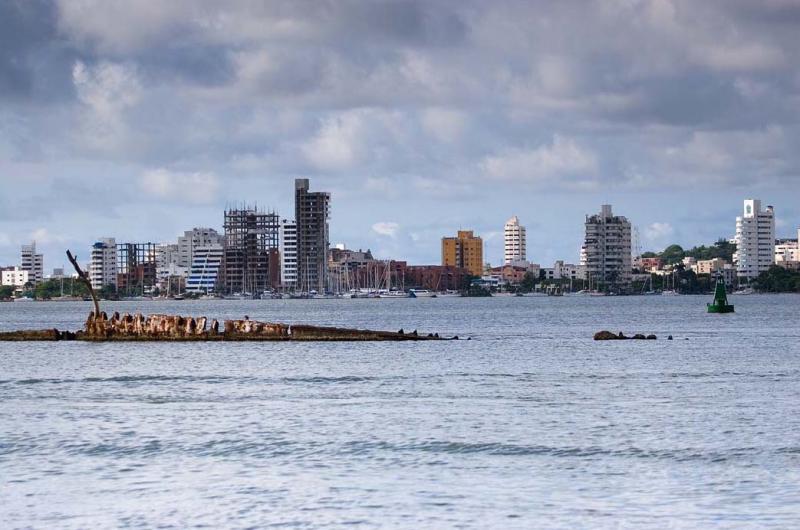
(436, 277)
(15, 277)
(709, 266)
(649, 264)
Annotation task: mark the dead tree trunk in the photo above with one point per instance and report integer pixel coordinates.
(85, 279)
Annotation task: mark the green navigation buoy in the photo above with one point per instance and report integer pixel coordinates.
(720, 303)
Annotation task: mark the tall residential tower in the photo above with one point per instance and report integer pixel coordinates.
(755, 240)
(606, 249)
(515, 241)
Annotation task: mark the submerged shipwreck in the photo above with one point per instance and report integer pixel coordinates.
(99, 327)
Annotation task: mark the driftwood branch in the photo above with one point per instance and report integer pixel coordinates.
(85, 279)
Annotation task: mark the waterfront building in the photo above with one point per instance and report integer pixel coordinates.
(252, 262)
(787, 252)
(312, 211)
(606, 250)
(204, 272)
(136, 268)
(15, 277)
(464, 251)
(103, 264)
(514, 238)
(192, 239)
(509, 273)
(564, 271)
(288, 254)
(436, 277)
(33, 263)
(649, 264)
(709, 266)
(755, 240)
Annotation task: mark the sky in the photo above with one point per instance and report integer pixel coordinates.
(142, 119)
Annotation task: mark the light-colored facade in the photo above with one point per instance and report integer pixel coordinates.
(33, 263)
(709, 266)
(15, 277)
(205, 269)
(564, 271)
(465, 250)
(103, 264)
(515, 242)
(606, 251)
(788, 251)
(193, 239)
(755, 240)
(288, 250)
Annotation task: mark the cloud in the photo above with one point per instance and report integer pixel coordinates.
(177, 186)
(546, 164)
(658, 232)
(386, 228)
(337, 144)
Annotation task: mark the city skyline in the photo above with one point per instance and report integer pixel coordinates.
(140, 122)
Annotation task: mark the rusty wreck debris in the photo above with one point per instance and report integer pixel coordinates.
(137, 327)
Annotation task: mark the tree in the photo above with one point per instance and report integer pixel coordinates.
(6, 291)
(528, 282)
(778, 280)
(673, 254)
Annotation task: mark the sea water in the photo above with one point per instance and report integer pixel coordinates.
(530, 424)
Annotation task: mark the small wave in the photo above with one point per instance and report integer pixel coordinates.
(324, 380)
(122, 379)
(502, 449)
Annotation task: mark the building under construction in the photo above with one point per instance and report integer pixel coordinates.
(251, 261)
(311, 211)
(136, 268)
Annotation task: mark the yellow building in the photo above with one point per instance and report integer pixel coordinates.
(465, 251)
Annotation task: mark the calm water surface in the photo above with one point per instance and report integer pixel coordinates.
(529, 425)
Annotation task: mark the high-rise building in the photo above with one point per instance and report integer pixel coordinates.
(311, 210)
(251, 263)
(515, 241)
(205, 269)
(465, 250)
(103, 264)
(33, 263)
(192, 239)
(755, 240)
(606, 251)
(288, 251)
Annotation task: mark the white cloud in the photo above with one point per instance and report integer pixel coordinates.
(658, 232)
(337, 144)
(195, 188)
(446, 125)
(386, 228)
(546, 164)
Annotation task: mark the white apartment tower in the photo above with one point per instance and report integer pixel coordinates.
(606, 250)
(755, 240)
(103, 266)
(288, 252)
(515, 241)
(33, 263)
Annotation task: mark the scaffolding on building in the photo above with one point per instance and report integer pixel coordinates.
(251, 263)
(136, 268)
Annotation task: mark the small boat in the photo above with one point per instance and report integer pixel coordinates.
(448, 294)
(745, 291)
(23, 299)
(669, 293)
(421, 293)
(720, 303)
(393, 294)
